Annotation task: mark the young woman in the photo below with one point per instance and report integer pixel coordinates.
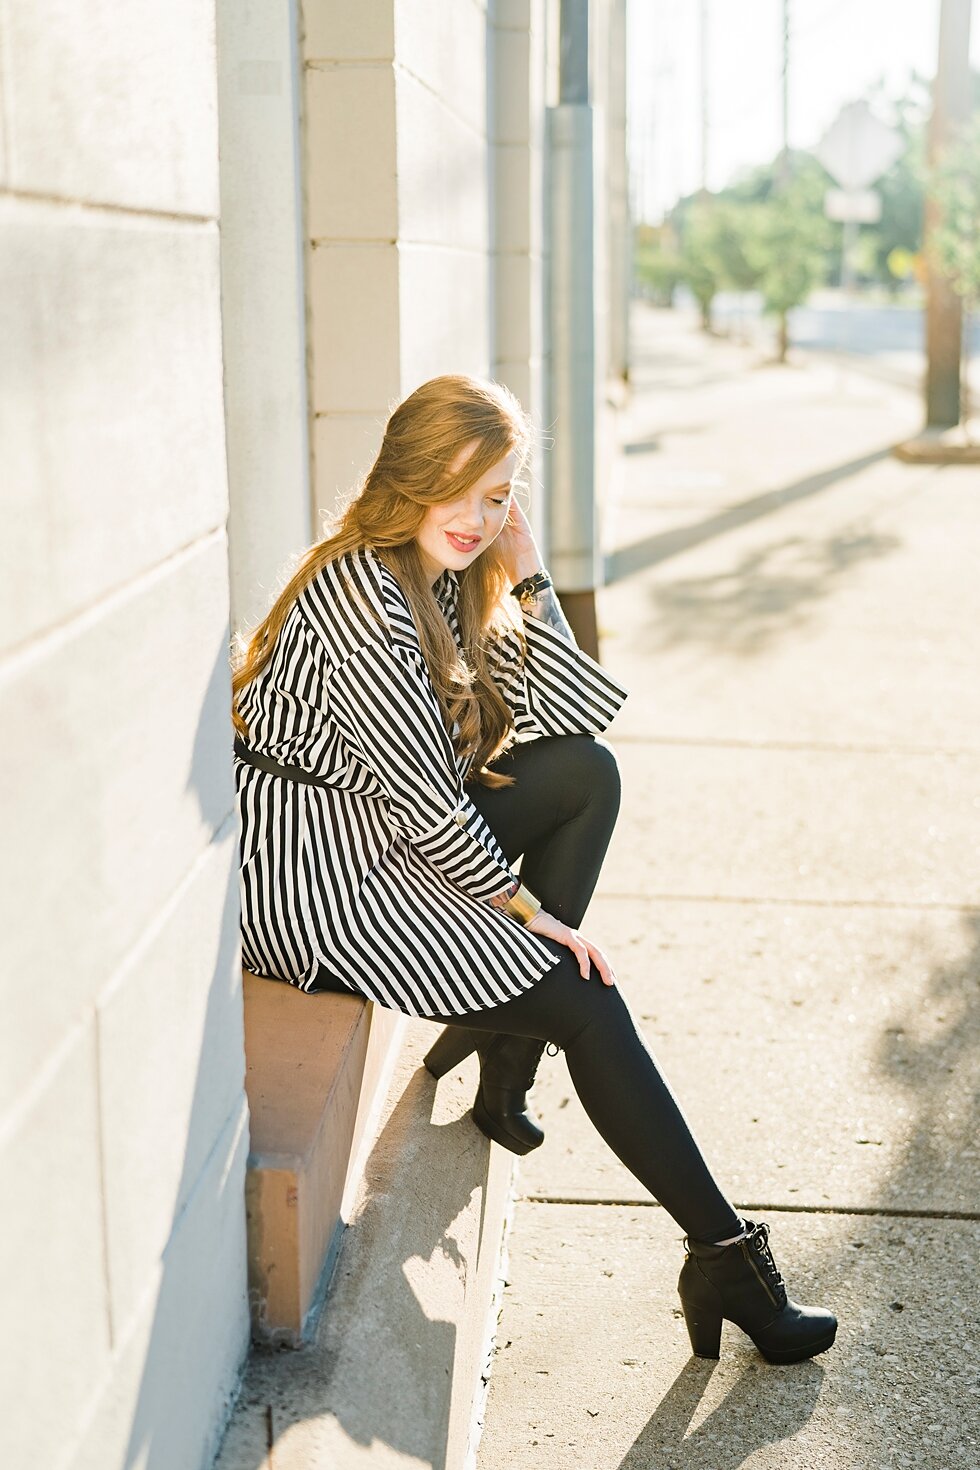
(414, 715)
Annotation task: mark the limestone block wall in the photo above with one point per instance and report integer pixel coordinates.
(423, 160)
(518, 71)
(123, 1125)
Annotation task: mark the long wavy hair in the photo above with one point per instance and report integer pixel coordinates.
(422, 438)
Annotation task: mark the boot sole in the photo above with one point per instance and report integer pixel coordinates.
(799, 1355)
(492, 1130)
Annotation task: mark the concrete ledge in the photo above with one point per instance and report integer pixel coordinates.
(313, 1065)
(940, 446)
(394, 1372)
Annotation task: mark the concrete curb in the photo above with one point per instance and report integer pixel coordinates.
(396, 1366)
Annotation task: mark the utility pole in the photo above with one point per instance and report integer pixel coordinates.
(703, 63)
(944, 312)
(783, 170)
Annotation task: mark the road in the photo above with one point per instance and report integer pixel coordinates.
(887, 339)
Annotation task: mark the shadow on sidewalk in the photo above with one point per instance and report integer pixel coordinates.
(665, 544)
(375, 1374)
(765, 596)
(932, 1052)
(762, 1408)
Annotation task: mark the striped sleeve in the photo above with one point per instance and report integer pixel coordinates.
(558, 689)
(384, 704)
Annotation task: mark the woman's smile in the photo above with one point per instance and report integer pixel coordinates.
(461, 542)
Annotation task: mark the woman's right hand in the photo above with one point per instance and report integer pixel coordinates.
(583, 949)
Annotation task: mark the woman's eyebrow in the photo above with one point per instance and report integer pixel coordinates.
(505, 486)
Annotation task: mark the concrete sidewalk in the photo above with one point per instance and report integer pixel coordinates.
(792, 902)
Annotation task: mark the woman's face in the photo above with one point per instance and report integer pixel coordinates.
(455, 533)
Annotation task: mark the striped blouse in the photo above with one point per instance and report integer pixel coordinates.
(380, 879)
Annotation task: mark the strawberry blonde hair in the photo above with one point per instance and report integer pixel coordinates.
(422, 438)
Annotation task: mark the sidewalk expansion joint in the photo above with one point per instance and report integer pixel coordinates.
(832, 747)
(915, 904)
(878, 1211)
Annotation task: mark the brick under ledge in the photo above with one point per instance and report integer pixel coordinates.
(313, 1064)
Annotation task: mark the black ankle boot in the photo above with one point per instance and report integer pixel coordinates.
(740, 1282)
(507, 1069)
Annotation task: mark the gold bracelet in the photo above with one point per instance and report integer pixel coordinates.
(522, 905)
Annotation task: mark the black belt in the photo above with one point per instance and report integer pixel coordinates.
(276, 768)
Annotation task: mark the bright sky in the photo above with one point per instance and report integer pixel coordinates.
(839, 49)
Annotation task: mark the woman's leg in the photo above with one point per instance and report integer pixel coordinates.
(560, 815)
(620, 1086)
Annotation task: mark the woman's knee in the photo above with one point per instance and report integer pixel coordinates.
(593, 765)
(574, 1005)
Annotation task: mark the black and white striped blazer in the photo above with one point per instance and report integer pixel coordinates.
(380, 878)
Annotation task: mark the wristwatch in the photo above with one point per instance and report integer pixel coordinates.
(530, 587)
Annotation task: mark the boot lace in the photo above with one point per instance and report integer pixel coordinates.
(757, 1240)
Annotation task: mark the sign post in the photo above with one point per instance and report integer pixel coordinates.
(855, 150)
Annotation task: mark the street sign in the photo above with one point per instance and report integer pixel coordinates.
(858, 148)
(863, 206)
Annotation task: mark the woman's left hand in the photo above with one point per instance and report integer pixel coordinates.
(518, 548)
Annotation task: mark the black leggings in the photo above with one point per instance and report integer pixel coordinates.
(560, 815)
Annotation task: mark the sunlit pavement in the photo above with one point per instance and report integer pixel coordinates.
(792, 903)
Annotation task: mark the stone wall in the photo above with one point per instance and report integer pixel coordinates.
(123, 1126)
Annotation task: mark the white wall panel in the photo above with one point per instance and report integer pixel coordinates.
(444, 45)
(345, 32)
(346, 446)
(172, 1066)
(114, 104)
(356, 328)
(117, 774)
(110, 404)
(173, 1376)
(445, 313)
(350, 170)
(55, 1344)
(442, 173)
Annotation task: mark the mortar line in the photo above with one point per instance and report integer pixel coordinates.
(818, 903)
(754, 1208)
(149, 212)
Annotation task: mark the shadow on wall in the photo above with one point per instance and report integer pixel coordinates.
(189, 1351)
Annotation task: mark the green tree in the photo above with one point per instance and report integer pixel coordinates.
(700, 256)
(657, 266)
(788, 246)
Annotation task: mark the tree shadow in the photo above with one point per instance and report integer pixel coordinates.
(905, 1274)
(660, 547)
(766, 596)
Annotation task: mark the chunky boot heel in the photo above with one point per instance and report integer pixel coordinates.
(452, 1047)
(704, 1330)
(740, 1282)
